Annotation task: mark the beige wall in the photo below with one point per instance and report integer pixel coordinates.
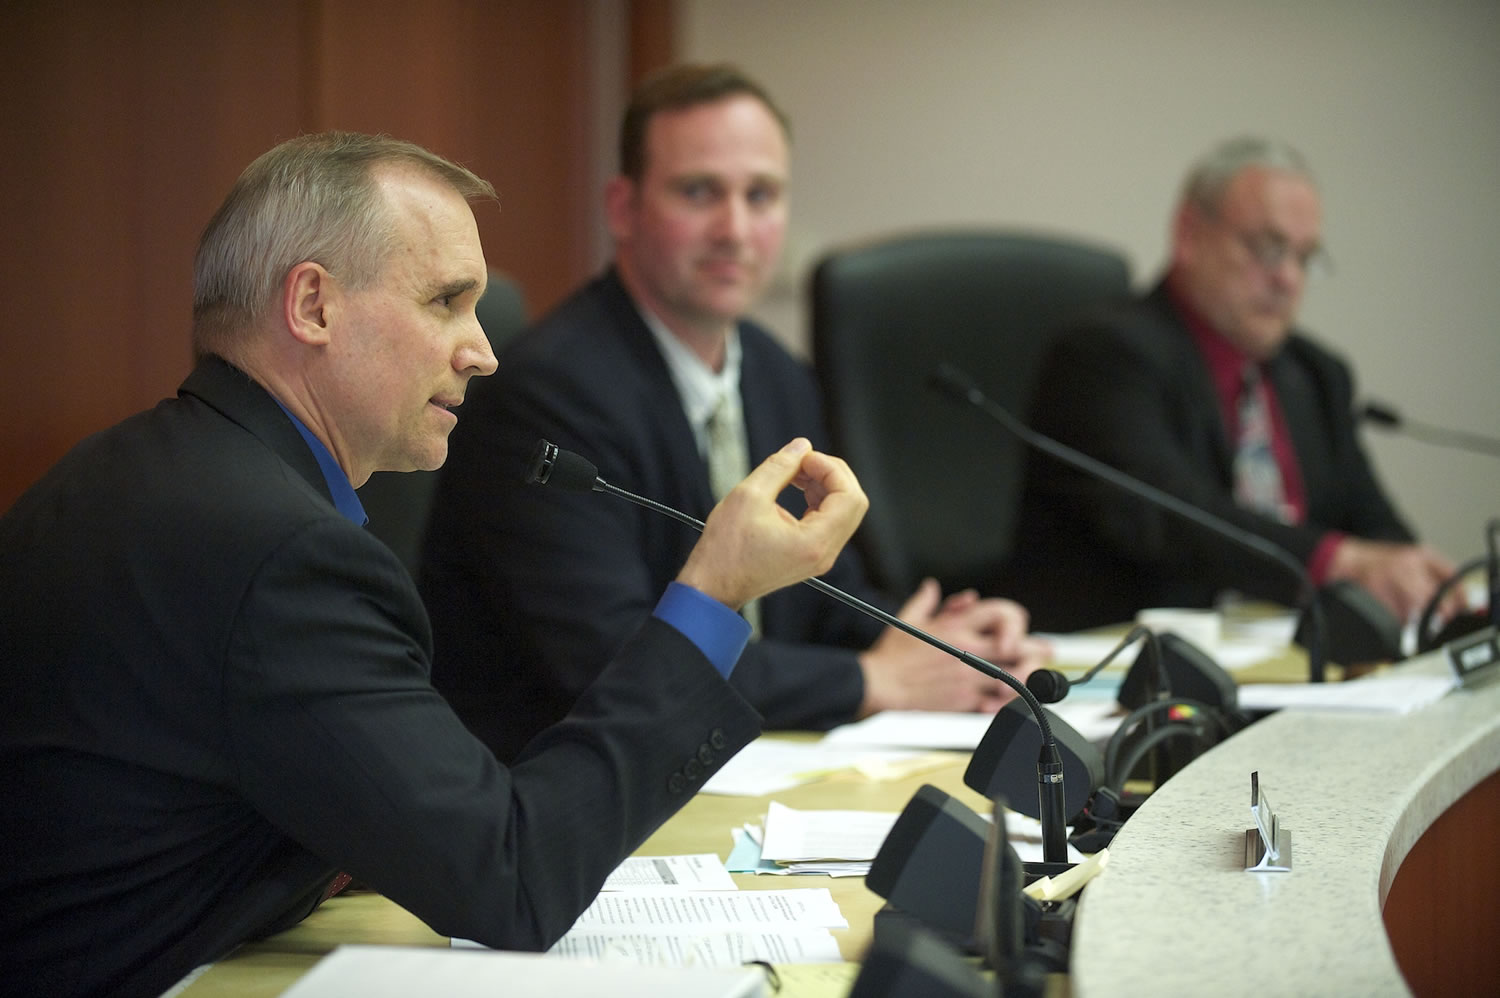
(1080, 116)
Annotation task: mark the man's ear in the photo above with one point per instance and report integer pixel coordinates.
(1188, 225)
(619, 207)
(309, 299)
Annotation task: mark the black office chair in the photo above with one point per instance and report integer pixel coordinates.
(943, 488)
(398, 502)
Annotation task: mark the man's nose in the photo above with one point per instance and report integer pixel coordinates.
(733, 220)
(475, 354)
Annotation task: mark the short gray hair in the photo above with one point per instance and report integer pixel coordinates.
(309, 198)
(1211, 175)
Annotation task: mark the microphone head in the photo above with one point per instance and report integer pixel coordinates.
(551, 465)
(1048, 685)
(1380, 414)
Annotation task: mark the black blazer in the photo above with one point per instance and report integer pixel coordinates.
(1129, 386)
(216, 694)
(530, 588)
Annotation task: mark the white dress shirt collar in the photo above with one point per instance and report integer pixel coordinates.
(698, 385)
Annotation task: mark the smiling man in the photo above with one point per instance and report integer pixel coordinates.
(215, 693)
(1205, 388)
(654, 374)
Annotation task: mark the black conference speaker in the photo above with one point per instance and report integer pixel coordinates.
(1360, 629)
(929, 864)
(913, 963)
(1190, 670)
(1004, 764)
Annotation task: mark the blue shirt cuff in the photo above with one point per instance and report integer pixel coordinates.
(719, 632)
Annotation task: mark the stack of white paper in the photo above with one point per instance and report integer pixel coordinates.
(766, 765)
(698, 872)
(397, 972)
(1392, 693)
(806, 908)
(1091, 710)
(708, 929)
(925, 729)
(835, 842)
(647, 922)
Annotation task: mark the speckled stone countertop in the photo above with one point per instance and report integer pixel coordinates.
(1175, 913)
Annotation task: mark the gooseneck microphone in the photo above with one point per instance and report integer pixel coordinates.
(1050, 685)
(1388, 418)
(957, 385)
(551, 465)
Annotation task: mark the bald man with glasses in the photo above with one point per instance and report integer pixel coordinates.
(1204, 387)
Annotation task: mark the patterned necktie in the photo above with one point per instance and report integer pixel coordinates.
(1257, 476)
(728, 464)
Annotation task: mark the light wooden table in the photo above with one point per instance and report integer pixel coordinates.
(268, 967)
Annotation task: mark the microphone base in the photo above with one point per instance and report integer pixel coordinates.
(889, 922)
(1106, 813)
(1047, 931)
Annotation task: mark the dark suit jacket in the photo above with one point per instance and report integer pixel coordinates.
(1128, 385)
(216, 693)
(530, 588)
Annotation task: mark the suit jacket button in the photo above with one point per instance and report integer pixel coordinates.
(692, 770)
(705, 754)
(716, 738)
(676, 784)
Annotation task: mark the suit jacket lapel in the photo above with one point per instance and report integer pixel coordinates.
(1193, 378)
(754, 393)
(662, 406)
(1300, 397)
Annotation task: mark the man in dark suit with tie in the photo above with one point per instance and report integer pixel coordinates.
(1205, 388)
(652, 373)
(216, 691)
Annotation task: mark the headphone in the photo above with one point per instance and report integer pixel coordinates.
(1429, 637)
(1190, 724)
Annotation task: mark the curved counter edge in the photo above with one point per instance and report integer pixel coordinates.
(1176, 913)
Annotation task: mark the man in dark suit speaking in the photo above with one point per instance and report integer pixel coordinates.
(652, 372)
(1206, 389)
(215, 693)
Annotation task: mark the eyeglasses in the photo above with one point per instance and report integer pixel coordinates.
(1270, 250)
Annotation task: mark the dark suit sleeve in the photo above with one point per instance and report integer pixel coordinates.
(1316, 390)
(339, 740)
(1139, 405)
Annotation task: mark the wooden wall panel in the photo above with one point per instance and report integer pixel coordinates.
(125, 121)
(653, 37)
(109, 114)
